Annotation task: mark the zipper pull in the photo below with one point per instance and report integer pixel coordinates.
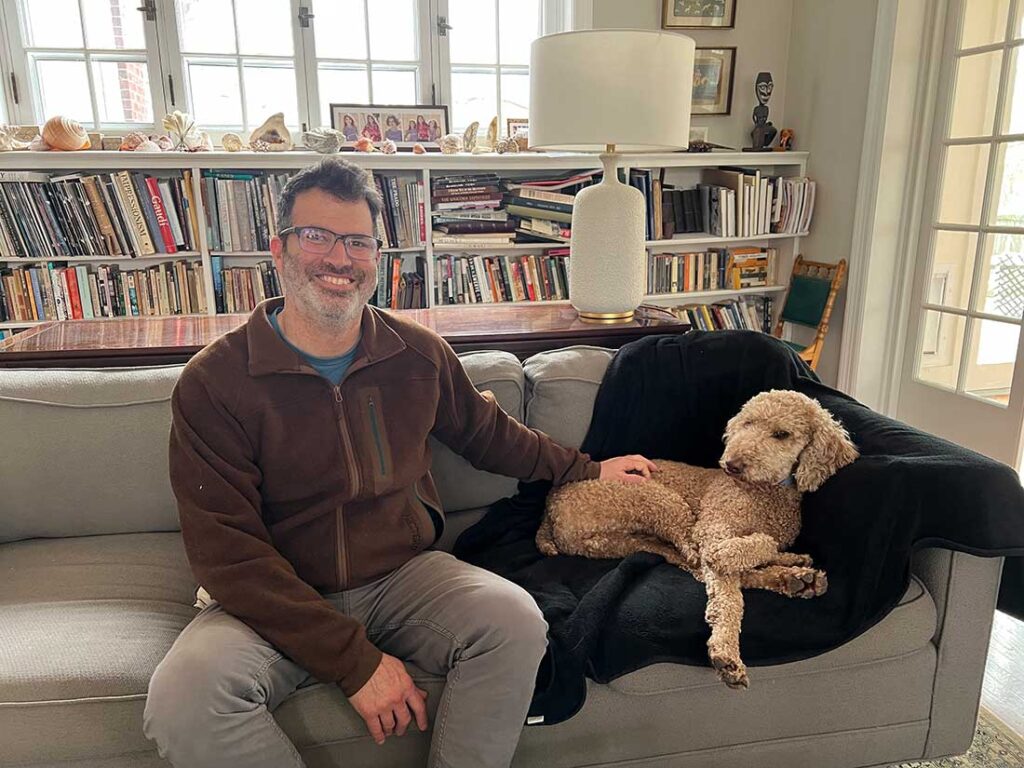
(337, 393)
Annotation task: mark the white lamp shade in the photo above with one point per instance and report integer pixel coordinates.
(626, 87)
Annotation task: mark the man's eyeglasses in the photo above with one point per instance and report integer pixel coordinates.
(320, 241)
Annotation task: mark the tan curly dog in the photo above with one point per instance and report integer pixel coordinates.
(728, 526)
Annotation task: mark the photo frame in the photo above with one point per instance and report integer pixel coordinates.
(405, 124)
(513, 124)
(713, 71)
(698, 14)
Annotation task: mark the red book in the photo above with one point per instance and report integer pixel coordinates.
(420, 208)
(71, 283)
(529, 278)
(161, 215)
(396, 275)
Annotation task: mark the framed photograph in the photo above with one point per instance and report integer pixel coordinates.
(712, 81)
(405, 124)
(698, 14)
(513, 124)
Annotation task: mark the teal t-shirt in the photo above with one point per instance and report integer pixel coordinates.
(331, 368)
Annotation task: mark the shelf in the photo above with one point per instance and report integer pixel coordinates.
(104, 259)
(21, 324)
(33, 323)
(267, 254)
(703, 238)
(513, 247)
(504, 303)
(690, 295)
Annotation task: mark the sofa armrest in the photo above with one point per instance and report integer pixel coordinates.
(964, 588)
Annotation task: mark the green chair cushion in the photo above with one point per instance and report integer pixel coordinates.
(807, 299)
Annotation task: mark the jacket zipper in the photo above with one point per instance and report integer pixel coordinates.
(376, 437)
(353, 472)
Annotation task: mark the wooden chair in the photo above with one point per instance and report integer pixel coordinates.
(809, 299)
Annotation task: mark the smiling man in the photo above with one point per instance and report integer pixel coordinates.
(300, 462)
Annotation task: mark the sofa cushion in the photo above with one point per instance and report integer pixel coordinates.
(561, 387)
(65, 471)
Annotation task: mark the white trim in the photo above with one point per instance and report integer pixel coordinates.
(582, 14)
(6, 68)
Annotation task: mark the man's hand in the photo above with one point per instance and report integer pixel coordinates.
(389, 700)
(627, 469)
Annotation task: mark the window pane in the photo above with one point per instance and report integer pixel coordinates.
(984, 22)
(122, 91)
(341, 86)
(393, 30)
(269, 90)
(1008, 208)
(519, 25)
(1013, 112)
(113, 24)
(216, 98)
(963, 184)
(942, 345)
(952, 268)
(1002, 277)
(974, 100)
(264, 27)
(394, 86)
(991, 361)
(64, 88)
(472, 39)
(52, 24)
(474, 97)
(339, 29)
(206, 26)
(515, 97)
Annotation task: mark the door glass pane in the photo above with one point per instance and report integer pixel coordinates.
(474, 97)
(269, 90)
(1008, 207)
(52, 24)
(952, 268)
(264, 27)
(122, 91)
(341, 86)
(519, 25)
(974, 100)
(64, 88)
(991, 361)
(216, 97)
(1002, 277)
(963, 184)
(393, 30)
(206, 26)
(515, 96)
(1013, 112)
(984, 22)
(339, 29)
(113, 24)
(394, 86)
(473, 37)
(941, 347)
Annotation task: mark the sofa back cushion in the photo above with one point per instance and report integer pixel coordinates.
(561, 387)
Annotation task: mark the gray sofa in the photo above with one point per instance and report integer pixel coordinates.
(94, 587)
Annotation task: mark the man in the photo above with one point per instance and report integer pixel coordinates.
(300, 462)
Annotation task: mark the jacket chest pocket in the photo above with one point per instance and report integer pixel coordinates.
(376, 445)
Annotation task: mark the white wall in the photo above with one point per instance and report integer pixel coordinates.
(762, 41)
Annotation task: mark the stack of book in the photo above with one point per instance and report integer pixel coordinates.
(62, 291)
(740, 202)
(466, 212)
(125, 213)
(240, 289)
(544, 205)
(402, 220)
(711, 270)
(241, 209)
(476, 279)
(751, 313)
(398, 287)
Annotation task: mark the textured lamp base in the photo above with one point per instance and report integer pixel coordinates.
(605, 317)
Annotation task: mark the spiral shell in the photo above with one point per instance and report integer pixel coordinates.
(365, 144)
(418, 149)
(389, 147)
(506, 145)
(232, 142)
(65, 133)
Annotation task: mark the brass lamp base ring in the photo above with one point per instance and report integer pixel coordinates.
(605, 317)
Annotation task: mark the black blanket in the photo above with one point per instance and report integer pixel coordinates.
(670, 397)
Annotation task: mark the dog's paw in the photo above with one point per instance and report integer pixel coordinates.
(793, 558)
(806, 583)
(730, 670)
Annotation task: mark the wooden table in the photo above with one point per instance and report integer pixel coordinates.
(522, 329)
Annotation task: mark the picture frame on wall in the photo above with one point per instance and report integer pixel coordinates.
(713, 71)
(698, 14)
(405, 124)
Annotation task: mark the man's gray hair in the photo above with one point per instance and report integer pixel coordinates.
(337, 177)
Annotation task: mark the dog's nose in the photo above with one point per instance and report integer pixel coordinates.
(734, 467)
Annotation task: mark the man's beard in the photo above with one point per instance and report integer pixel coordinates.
(328, 311)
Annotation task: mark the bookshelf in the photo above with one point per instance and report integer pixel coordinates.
(679, 169)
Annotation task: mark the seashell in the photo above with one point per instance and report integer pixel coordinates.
(148, 146)
(38, 145)
(25, 132)
(469, 137)
(165, 143)
(182, 127)
(450, 144)
(202, 143)
(132, 140)
(273, 133)
(8, 141)
(259, 145)
(65, 133)
(506, 145)
(364, 144)
(232, 142)
(326, 141)
(492, 133)
(389, 147)
(418, 149)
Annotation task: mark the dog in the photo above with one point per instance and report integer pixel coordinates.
(729, 527)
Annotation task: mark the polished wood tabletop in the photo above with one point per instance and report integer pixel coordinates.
(522, 329)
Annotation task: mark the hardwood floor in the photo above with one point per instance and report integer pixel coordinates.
(1003, 689)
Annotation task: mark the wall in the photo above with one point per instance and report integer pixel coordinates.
(762, 41)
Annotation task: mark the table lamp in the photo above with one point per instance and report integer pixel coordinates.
(610, 91)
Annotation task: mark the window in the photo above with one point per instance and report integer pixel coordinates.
(114, 64)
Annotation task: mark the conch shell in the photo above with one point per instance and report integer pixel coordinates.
(273, 133)
(8, 141)
(65, 133)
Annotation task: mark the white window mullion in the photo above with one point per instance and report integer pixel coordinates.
(25, 111)
(163, 51)
(426, 84)
(306, 71)
(369, 53)
(6, 67)
(441, 56)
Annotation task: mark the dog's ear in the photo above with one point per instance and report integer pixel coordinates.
(829, 449)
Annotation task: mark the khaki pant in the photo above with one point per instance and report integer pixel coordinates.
(211, 697)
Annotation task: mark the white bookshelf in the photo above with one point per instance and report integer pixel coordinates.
(681, 169)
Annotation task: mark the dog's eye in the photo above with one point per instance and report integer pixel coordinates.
(781, 434)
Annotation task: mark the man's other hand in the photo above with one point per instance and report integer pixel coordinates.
(627, 469)
(389, 701)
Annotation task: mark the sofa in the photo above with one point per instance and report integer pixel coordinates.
(95, 586)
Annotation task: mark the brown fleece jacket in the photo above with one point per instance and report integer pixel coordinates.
(290, 488)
